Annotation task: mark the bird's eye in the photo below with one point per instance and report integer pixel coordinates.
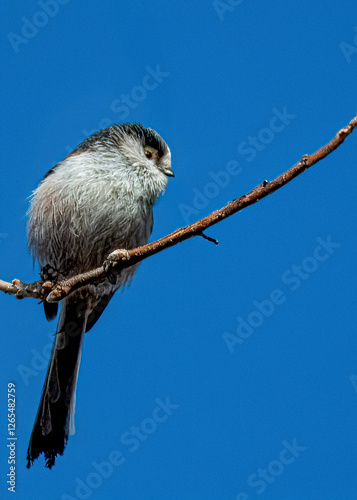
(149, 154)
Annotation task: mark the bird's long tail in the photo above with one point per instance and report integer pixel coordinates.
(55, 416)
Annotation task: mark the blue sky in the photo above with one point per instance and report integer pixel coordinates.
(249, 347)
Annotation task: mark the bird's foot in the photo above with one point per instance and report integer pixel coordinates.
(114, 258)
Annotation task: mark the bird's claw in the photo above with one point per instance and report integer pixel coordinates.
(115, 257)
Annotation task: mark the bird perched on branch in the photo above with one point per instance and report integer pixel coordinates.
(98, 199)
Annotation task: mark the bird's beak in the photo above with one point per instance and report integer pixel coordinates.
(169, 172)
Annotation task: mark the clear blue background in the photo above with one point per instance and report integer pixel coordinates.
(226, 71)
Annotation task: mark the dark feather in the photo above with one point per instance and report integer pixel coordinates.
(51, 310)
(51, 427)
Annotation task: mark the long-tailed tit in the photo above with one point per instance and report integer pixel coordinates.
(99, 198)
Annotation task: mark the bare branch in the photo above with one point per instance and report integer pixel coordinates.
(121, 259)
(7, 287)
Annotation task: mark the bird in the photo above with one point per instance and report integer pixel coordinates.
(97, 199)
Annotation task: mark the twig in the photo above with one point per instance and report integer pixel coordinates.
(8, 287)
(208, 238)
(126, 258)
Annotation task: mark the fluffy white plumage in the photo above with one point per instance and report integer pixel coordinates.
(94, 200)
